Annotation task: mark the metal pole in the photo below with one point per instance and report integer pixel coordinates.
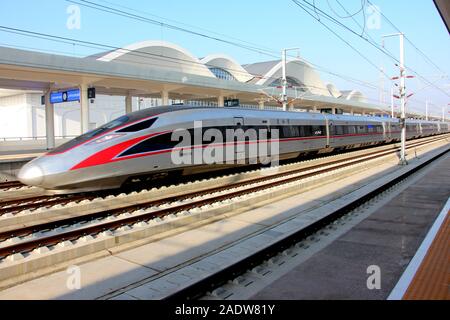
(403, 101)
(426, 111)
(284, 79)
(381, 86)
(443, 114)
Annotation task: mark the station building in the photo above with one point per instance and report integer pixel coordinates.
(157, 73)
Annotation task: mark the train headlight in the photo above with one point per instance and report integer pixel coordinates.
(107, 138)
(31, 175)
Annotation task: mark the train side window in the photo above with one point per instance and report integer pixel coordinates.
(295, 132)
(287, 133)
(339, 130)
(139, 126)
(280, 131)
(351, 129)
(307, 131)
(290, 131)
(318, 130)
(362, 129)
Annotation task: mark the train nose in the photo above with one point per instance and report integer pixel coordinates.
(31, 174)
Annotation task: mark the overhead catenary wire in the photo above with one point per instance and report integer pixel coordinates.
(430, 61)
(375, 45)
(123, 13)
(187, 25)
(349, 15)
(347, 78)
(133, 53)
(267, 52)
(98, 45)
(341, 38)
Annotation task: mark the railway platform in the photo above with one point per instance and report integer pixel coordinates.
(11, 161)
(427, 276)
(391, 240)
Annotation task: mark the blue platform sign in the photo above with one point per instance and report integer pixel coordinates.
(65, 96)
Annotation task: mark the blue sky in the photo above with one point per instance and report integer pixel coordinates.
(270, 24)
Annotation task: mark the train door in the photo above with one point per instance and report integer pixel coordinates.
(240, 147)
(265, 126)
(329, 132)
(265, 145)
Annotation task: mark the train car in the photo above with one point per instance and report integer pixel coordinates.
(164, 140)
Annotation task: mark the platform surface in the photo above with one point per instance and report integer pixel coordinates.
(389, 239)
(20, 156)
(428, 275)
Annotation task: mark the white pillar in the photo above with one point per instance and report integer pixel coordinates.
(392, 103)
(333, 110)
(261, 105)
(221, 101)
(352, 112)
(315, 109)
(49, 121)
(128, 104)
(426, 111)
(165, 97)
(84, 105)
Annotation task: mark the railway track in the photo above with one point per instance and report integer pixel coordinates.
(229, 275)
(26, 239)
(12, 207)
(11, 185)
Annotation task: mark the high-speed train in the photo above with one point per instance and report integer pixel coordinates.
(143, 143)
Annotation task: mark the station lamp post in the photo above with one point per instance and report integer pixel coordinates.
(284, 75)
(402, 96)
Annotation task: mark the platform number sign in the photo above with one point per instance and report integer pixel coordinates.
(232, 103)
(65, 96)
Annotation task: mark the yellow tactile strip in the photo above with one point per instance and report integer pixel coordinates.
(432, 279)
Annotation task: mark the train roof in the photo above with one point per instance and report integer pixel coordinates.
(154, 111)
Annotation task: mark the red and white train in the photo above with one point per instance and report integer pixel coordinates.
(141, 143)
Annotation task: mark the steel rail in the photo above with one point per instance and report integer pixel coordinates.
(221, 277)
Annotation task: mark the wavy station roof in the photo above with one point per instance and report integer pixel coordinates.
(302, 77)
(147, 68)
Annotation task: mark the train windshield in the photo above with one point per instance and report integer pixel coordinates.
(91, 134)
